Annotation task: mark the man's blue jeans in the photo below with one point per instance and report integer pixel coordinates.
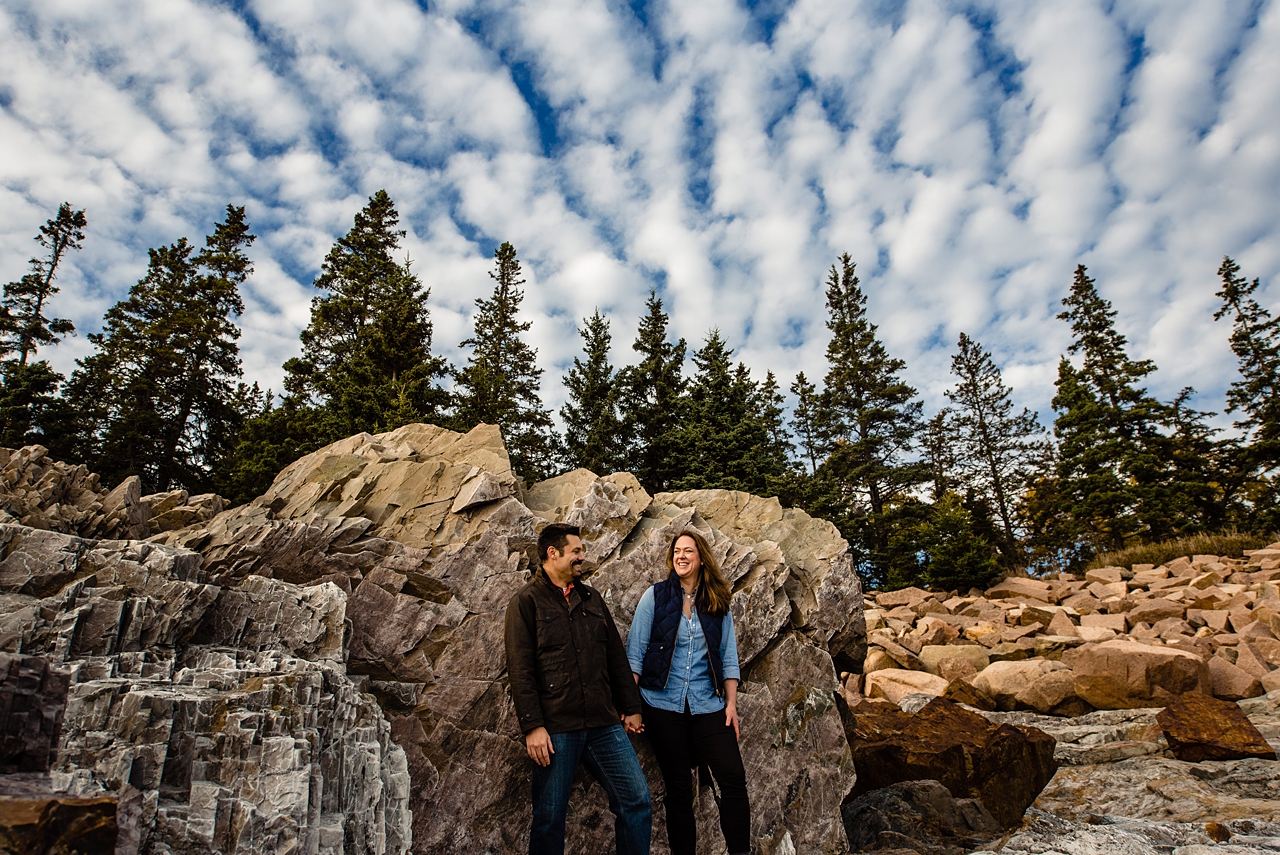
(609, 757)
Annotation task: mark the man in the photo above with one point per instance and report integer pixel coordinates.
(573, 692)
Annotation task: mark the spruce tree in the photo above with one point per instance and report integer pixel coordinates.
(159, 396)
(1113, 465)
(653, 394)
(873, 417)
(804, 422)
(593, 437)
(29, 411)
(500, 382)
(997, 447)
(938, 443)
(1255, 340)
(732, 434)
(366, 355)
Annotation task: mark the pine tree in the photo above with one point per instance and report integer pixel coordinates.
(366, 359)
(23, 325)
(732, 435)
(29, 411)
(997, 446)
(804, 422)
(594, 436)
(500, 382)
(938, 442)
(653, 399)
(941, 545)
(159, 396)
(1113, 470)
(1255, 340)
(872, 417)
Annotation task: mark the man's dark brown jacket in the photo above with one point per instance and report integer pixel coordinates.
(566, 663)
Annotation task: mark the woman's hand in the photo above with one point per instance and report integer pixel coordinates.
(731, 707)
(731, 718)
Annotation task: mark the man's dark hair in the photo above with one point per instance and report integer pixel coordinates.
(557, 535)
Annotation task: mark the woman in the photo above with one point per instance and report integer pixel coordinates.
(684, 656)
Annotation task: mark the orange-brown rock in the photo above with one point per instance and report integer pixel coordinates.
(1053, 693)
(1154, 610)
(36, 819)
(1231, 682)
(1003, 766)
(894, 684)
(1125, 674)
(1018, 587)
(1199, 727)
(963, 691)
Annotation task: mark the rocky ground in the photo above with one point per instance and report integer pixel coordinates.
(1204, 623)
(1100, 664)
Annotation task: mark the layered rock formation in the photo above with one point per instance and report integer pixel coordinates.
(45, 494)
(216, 690)
(217, 718)
(34, 817)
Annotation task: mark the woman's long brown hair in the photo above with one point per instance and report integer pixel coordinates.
(713, 589)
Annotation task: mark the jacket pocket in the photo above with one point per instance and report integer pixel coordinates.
(553, 631)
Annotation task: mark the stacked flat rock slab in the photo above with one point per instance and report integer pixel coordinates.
(1118, 638)
(45, 494)
(218, 718)
(34, 817)
(431, 533)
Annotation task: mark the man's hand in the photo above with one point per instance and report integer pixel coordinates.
(731, 717)
(633, 723)
(538, 743)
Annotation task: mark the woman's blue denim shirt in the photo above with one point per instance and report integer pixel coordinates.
(690, 676)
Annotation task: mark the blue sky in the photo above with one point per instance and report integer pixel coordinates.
(967, 156)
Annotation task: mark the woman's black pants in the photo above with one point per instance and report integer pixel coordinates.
(684, 740)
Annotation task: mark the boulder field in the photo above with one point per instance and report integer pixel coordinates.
(1118, 638)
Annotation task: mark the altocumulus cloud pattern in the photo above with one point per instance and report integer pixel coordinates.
(966, 155)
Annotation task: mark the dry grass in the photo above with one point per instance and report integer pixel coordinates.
(1228, 543)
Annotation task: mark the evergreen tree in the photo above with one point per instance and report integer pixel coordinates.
(23, 325)
(500, 382)
(997, 447)
(653, 395)
(939, 443)
(594, 436)
(366, 355)
(273, 436)
(1255, 340)
(804, 422)
(159, 397)
(768, 407)
(941, 545)
(732, 436)
(1113, 471)
(873, 417)
(29, 411)
(366, 363)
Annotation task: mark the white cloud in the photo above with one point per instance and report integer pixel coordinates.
(967, 157)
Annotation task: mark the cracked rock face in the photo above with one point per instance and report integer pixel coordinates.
(431, 533)
(220, 719)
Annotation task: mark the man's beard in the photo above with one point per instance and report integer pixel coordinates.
(576, 569)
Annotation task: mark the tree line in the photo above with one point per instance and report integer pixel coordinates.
(952, 499)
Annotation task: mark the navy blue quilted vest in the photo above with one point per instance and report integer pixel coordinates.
(668, 605)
